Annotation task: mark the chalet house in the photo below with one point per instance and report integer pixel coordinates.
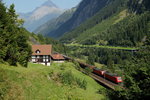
(56, 57)
(41, 54)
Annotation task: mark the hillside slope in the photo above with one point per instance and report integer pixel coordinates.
(85, 10)
(117, 24)
(51, 25)
(60, 81)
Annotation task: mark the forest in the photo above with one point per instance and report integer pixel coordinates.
(133, 66)
(129, 32)
(13, 38)
(121, 23)
(137, 76)
(104, 13)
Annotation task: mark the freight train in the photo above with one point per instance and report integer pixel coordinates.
(103, 73)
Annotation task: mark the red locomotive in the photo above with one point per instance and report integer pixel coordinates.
(109, 76)
(113, 77)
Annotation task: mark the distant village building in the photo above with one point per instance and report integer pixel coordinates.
(42, 54)
(58, 58)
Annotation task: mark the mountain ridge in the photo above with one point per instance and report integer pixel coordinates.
(55, 23)
(126, 30)
(89, 7)
(40, 15)
(49, 3)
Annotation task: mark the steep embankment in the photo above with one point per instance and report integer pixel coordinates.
(85, 10)
(110, 9)
(60, 81)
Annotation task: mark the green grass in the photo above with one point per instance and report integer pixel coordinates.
(101, 46)
(38, 82)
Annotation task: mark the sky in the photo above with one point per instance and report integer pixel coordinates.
(25, 6)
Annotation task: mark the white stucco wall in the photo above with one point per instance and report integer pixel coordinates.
(33, 60)
(58, 61)
(48, 64)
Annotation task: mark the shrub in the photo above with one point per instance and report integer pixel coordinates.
(88, 70)
(69, 79)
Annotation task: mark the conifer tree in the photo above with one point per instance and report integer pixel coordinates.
(13, 38)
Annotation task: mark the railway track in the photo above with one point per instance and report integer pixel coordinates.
(103, 81)
(100, 79)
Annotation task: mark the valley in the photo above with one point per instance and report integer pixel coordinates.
(107, 38)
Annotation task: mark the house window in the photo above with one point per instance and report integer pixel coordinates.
(38, 56)
(47, 60)
(37, 51)
(43, 56)
(43, 60)
(33, 56)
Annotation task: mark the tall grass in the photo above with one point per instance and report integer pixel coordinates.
(38, 82)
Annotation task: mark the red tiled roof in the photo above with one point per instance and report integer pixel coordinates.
(44, 49)
(57, 57)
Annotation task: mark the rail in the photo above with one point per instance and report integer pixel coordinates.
(100, 79)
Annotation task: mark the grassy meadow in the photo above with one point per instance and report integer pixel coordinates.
(60, 81)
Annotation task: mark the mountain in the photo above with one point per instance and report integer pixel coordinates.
(51, 25)
(119, 23)
(40, 15)
(85, 10)
(110, 8)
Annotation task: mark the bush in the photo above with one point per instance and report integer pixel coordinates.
(88, 70)
(69, 79)
(77, 66)
(82, 84)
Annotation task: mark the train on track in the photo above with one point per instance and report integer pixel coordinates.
(101, 73)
